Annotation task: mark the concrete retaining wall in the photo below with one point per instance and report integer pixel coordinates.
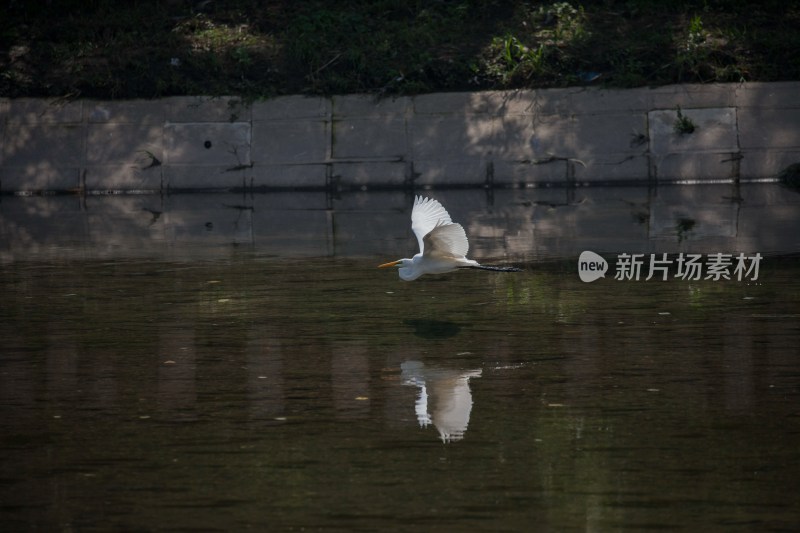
(514, 138)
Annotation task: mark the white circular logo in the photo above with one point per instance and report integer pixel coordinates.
(591, 266)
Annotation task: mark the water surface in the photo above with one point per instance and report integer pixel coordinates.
(248, 389)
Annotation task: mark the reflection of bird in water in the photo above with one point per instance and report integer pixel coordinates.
(444, 397)
(443, 244)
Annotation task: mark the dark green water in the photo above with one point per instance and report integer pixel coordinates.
(254, 392)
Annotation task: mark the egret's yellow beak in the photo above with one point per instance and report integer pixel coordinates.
(391, 264)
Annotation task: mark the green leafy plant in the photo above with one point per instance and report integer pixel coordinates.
(545, 48)
(683, 124)
(108, 49)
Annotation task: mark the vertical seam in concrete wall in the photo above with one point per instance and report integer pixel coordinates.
(330, 128)
(331, 181)
(250, 150)
(166, 185)
(651, 165)
(736, 164)
(84, 147)
(162, 186)
(408, 157)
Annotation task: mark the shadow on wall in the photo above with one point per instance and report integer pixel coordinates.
(526, 138)
(130, 146)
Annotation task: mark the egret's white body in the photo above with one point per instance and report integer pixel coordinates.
(443, 244)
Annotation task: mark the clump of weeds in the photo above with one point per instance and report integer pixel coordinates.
(253, 49)
(683, 124)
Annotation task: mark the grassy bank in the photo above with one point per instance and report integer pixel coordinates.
(109, 49)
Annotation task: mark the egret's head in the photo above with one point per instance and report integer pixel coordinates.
(406, 268)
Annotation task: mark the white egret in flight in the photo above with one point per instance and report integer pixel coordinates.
(443, 244)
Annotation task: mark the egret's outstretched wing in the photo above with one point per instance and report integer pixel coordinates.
(447, 240)
(426, 215)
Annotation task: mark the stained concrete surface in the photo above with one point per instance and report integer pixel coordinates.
(505, 138)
